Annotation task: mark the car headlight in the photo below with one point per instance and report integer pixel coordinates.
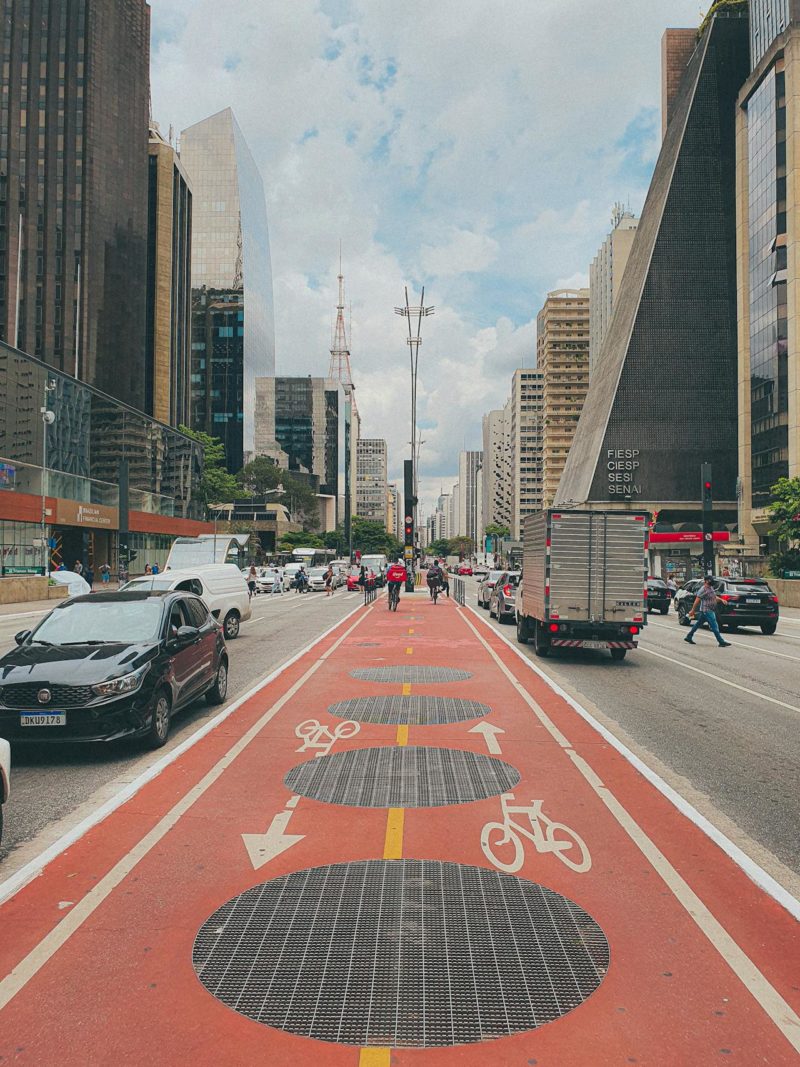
(128, 683)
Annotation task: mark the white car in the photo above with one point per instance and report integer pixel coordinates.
(5, 778)
(76, 585)
(266, 580)
(316, 578)
(221, 585)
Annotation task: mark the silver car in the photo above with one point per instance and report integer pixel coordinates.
(503, 601)
(5, 778)
(485, 588)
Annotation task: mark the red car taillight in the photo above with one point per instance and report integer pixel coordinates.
(773, 599)
(506, 590)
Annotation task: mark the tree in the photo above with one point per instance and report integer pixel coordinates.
(462, 545)
(300, 539)
(217, 485)
(440, 547)
(784, 510)
(495, 529)
(261, 475)
(372, 537)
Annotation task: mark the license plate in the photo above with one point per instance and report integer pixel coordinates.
(595, 644)
(752, 600)
(43, 718)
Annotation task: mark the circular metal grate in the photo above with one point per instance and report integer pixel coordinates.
(402, 777)
(410, 674)
(413, 953)
(414, 711)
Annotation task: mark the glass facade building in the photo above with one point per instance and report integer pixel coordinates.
(371, 479)
(73, 466)
(73, 187)
(768, 19)
(233, 334)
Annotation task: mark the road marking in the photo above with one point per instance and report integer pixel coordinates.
(779, 1011)
(722, 681)
(393, 843)
(261, 848)
(375, 1057)
(489, 731)
(28, 967)
(406, 689)
(410, 631)
(409, 651)
(402, 735)
(756, 648)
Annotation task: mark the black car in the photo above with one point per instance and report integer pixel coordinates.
(110, 665)
(659, 595)
(740, 602)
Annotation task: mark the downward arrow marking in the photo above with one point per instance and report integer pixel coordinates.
(489, 732)
(265, 847)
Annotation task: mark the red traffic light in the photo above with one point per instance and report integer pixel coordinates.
(708, 485)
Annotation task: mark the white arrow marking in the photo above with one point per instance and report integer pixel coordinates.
(265, 847)
(489, 732)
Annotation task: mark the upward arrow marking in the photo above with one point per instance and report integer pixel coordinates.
(489, 737)
(265, 847)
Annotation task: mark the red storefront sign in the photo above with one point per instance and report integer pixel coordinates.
(686, 536)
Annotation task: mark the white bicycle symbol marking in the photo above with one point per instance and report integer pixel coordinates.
(546, 835)
(315, 735)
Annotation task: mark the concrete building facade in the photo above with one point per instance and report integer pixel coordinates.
(524, 420)
(497, 495)
(605, 277)
(470, 508)
(562, 356)
(371, 479)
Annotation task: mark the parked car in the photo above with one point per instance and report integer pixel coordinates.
(221, 585)
(503, 600)
(75, 583)
(465, 570)
(111, 665)
(740, 602)
(659, 595)
(485, 589)
(5, 778)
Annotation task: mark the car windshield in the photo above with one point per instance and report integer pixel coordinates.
(656, 583)
(101, 621)
(493, 576)
(317, 572)
(748, 587)
(147, 582)
(512, 579)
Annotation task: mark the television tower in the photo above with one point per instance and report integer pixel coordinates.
(339, 369)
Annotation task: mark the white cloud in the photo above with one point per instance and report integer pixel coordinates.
(474, 150)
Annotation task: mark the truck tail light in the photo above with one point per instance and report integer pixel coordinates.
(553, 627)
(634, 629)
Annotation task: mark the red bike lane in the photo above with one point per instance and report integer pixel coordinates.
(474, 876)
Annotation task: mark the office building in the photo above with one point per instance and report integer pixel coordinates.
(73, 188)
(677, 46)
(233, 332)
(497, 495)
(562, 356)
(470, 504)
(605, 276)
(672, 342)
(169, 292)
(371, 480)
(525, 421)
(768, 264)
(454, 511)
(394, 513)
(78, 486)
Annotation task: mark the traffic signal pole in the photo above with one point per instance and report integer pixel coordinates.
(409, 502)
(707, 496)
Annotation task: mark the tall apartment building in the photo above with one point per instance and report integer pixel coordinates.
(497, 498)
(169, 285)
(525, 442)
(454, 510)
(233, 332)
(562, 356)
(394, 516)
(605, 277)
(768, 262)
(470, 505)
(371, 479)
(73, 188)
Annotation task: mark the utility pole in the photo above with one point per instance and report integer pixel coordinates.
(707, 496)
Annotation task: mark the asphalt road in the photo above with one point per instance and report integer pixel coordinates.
(721, 725)
(54, 786)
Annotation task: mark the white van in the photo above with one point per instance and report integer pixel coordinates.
(221, 585)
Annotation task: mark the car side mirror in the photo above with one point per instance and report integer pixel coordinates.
(22, 636)
(187, 634)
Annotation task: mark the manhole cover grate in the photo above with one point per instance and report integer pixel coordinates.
(414, 711)
(413, 953)
(410, 674)
(402, 777)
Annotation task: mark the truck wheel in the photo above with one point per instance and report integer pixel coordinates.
(541, 645)
(522, 631)
(618, 653)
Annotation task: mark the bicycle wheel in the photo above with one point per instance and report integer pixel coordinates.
(494, 837)
(571, 849)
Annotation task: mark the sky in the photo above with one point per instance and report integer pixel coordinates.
(475, 147)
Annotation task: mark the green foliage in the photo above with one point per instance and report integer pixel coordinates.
(372, 537)
(301, 539)
(495, 529)
(462, 546)
(217, 486)
(784, 510)
(439, 548)
(787, 560)
(733, 5)
(261, 475)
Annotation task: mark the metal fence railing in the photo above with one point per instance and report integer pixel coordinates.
(370, 592)
(459, 589)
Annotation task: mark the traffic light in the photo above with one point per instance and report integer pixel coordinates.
(707, 498)
(409, 530)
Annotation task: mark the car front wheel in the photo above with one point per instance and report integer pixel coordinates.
(682, 619)
(219, 690)
(159, 723)
(231, 625)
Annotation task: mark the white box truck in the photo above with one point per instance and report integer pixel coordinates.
(584, 580)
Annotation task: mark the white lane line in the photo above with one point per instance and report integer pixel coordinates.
(28, 614)
(35, 866)
(722, 681)
(779, 1011)
(27, 968)
(756, 648)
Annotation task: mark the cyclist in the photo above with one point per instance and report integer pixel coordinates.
(445, 580)
(434, 577)
(396, 577)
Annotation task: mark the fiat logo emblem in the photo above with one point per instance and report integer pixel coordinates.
(44, 696)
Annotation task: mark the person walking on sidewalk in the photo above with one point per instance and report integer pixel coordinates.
(704, 607)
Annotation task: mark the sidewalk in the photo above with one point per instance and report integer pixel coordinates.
(350, 869)
(41, 607)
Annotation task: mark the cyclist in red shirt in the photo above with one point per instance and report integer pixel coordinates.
(396, 577)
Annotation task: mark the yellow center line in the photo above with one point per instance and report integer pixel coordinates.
(402, 735)
(411, 631)
(406, 689)
(409, 651)
(393, 842)
(375, 1057)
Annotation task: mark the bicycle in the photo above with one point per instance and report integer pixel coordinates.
(570, 849)
(433, 589)
(394, 595)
